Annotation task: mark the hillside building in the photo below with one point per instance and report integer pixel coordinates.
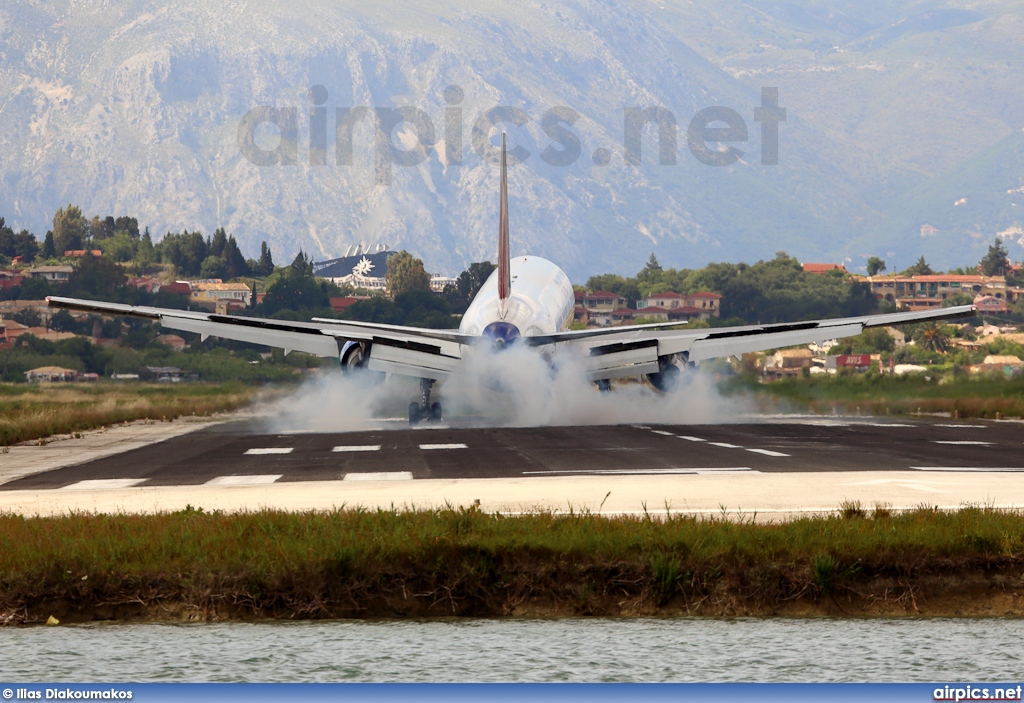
(923, 292)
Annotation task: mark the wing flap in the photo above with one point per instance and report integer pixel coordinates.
(421, 360)
(618, 360)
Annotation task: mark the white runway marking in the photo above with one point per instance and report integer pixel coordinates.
(358, 448)
(767, 452)
(882, 424)
(99, 484)
(961, 441)
(726, 445)
(270, 450)
(692, 439)
(979, 427)
(605, 472)
(981, 469)
(259, 480)
(380, 476)
(667, 434)
(443, 446)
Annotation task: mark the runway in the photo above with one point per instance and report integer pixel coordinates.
(767, 470)
(237, 454)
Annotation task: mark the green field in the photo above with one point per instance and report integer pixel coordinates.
(954, 394)
(360, 563)
(38, 411)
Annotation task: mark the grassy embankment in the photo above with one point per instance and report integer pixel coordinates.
(37, 411)
(873, 394)
(358, 563)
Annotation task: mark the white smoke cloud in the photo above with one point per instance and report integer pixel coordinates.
(519, 387)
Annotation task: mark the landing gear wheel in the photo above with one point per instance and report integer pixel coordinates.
(435, 411)
(603, 385)
(415, 414)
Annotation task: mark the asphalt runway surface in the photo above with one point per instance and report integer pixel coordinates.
(238, 454)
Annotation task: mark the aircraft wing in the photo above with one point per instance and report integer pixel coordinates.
(411, 351)
(633, 351)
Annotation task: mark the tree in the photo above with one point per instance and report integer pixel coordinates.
(127, 224)
(49, 249)
(217, 244)
(921, 268)
(875, 265)
(405, 273)
(28, 316)
(120, 246)
(69, 229)
(98, 276)
(933, 337)
(213, 267)
(302, 265)
(234, 261)
(995, 262)
(266, 263)
(298, 293)
(22, 244)
(145, 254)
(186, 251)
(461, 293)
(63, 321)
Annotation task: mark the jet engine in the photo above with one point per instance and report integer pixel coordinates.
(354, 356)
(671, 369)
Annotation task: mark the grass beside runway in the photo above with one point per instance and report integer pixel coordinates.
(958, 395)
(359, 563)
(29, 412)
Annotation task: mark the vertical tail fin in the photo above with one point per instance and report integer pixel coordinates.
(504, 263)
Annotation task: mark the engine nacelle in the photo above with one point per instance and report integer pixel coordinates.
(354, 356)
(671, 369)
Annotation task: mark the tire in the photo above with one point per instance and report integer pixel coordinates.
(435, 411)
(415, 414)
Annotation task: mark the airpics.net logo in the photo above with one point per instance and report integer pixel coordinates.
(268, 136)
(977, 693)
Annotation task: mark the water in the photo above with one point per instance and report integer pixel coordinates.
(520, 650)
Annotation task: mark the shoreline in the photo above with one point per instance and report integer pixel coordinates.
(980, 593)
(198, 566)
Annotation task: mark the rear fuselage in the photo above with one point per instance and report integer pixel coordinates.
(541, 302)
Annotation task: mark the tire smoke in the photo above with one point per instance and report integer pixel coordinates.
(517, 387)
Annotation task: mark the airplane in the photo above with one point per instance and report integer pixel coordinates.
(528, 301)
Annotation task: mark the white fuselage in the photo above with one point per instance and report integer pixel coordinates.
(541, 301)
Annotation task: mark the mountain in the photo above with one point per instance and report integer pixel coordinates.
(134, 107)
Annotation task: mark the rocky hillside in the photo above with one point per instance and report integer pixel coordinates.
(134, 106)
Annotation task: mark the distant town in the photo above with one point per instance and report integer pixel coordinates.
(111, 259)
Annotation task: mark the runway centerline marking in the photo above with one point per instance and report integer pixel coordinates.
(667, 434)
(691, 439)
(726, 445)
(443, 446)
(980, 469)
(962, 441)
(95, 484)
(767, 452)
(357, 448)
(256, 480)
(270, 450)
(379, 476)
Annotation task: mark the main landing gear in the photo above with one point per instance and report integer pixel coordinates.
(424, 410)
